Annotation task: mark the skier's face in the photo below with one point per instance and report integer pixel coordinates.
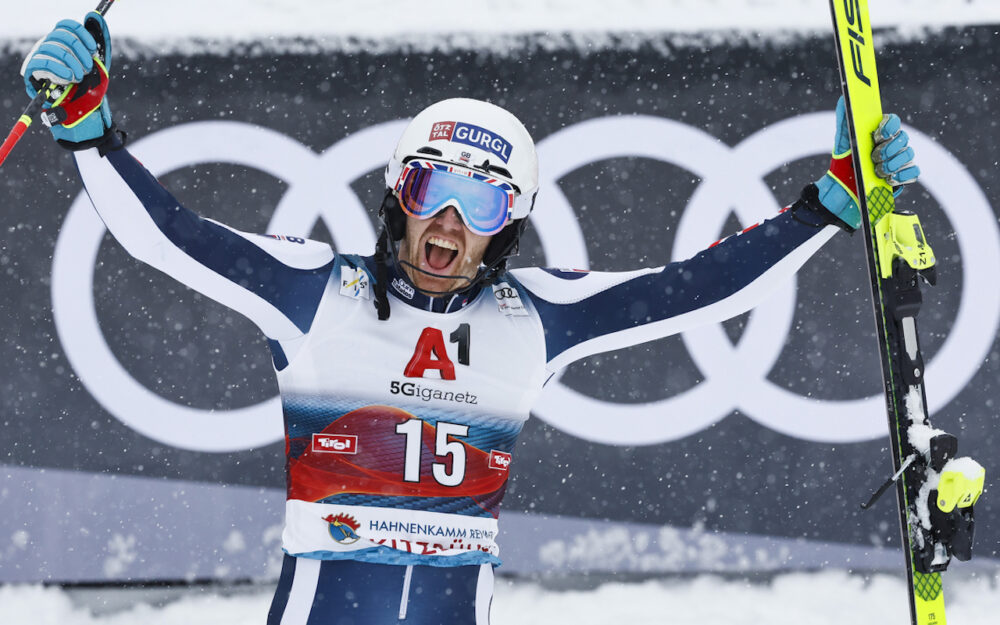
(441, 245)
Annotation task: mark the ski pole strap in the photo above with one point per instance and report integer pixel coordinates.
(889, 482)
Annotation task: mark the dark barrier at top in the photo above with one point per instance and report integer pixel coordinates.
(766, 430)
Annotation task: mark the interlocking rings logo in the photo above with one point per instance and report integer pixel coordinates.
(734, 376)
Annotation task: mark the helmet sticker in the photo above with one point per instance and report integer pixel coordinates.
(475, 136)
(442, 130)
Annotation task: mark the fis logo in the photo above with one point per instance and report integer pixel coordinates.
(475, 136)
(343, 528)
(856, 30)
(354, 283)
(335, 443)
(499, 460)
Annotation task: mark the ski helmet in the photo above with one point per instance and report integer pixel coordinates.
(476, 139)
(475, 135)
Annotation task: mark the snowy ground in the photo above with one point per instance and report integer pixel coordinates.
(832, 597)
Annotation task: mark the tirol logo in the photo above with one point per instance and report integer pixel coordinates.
(343, 528)
(499, 460)
(472, 135)
(335, 443)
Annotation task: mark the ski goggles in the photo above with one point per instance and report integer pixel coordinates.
(425, 188)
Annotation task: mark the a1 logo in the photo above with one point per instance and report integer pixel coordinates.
(432, 353)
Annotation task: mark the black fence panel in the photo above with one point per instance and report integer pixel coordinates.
(768, 430)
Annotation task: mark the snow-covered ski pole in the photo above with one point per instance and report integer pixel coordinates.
(36, 103)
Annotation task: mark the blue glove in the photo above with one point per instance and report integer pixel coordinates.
(892, 154)
(893, 158)
(75, 58)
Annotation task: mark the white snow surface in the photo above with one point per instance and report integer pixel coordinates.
(920, 434)
(387, 19)
(971, 469)
(826, 598)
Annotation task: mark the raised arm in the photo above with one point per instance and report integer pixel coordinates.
(277, 282)
(586, 313)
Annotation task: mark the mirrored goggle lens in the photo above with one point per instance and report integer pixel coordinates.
(483, 207)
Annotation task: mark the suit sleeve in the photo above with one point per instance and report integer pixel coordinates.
(277, 282)
(584, 313)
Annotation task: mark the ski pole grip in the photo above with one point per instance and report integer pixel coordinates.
(36, 103)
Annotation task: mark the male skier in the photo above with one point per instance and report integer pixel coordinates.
(407, 375)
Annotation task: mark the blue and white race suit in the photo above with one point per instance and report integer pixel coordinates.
(400, 433)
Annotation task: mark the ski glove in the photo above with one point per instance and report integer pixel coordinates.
(75, 58)
(893, 158)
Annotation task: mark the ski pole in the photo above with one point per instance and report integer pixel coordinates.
(36, 103)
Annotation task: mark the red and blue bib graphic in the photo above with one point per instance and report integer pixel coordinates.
(385, 456)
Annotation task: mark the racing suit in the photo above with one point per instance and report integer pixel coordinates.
(400, 433)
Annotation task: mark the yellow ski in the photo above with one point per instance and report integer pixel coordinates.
(897, 255)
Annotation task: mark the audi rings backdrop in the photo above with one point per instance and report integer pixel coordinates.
(140, 434)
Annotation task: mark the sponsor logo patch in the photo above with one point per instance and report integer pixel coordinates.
(335, 443)
(442, 130)
(403, 288)
(354, 283)
(426, 393)
(499, 460)
(343, 528)
(472, 135)
(508, 300)
(420, 537)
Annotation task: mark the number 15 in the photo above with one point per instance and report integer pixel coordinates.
(413, 429)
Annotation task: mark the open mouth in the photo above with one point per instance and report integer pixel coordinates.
(439, 253)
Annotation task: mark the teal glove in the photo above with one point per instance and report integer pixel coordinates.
(75, 58)
(893, 157)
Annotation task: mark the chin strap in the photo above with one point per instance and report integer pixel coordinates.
(471, 281)
(381, 276)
